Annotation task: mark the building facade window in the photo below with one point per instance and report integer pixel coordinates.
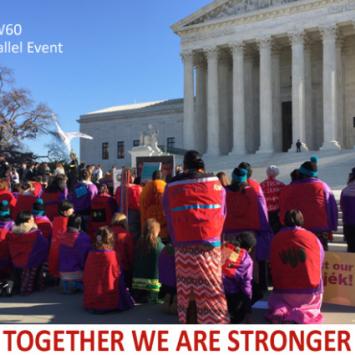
(170, 142)
(120, 150)
(135, 142)
(105, 152)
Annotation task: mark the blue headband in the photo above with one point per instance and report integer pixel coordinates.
(240, 178)
(4, 203)
(308, 172)
(38, 212)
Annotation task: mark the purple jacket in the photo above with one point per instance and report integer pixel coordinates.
(242, 278)
(6, 225)
(82, 196)
(347, 204)
(73, 250)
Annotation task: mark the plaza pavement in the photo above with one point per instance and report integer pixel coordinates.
(51, 306)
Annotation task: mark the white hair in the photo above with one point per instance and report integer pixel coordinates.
(272, 171)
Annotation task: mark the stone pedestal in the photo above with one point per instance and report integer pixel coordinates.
(143, 151)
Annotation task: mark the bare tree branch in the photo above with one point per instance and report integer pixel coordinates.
(20, 118)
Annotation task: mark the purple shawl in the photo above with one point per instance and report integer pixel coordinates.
(82, 196)
(72, 256)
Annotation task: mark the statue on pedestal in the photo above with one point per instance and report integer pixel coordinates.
(149, 138)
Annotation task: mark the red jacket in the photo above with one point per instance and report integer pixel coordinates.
(195, 210)
(245, 211)
(24, 203)
(102, 209)
(124, 247)
(296, 260)
(134, 194)
(272, 189)
(316, 202)
(59, 227)
(44, 225)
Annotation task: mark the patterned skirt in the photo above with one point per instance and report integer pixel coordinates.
(199, 279)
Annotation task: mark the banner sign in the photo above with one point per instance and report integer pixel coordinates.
(116, 178)
(338, 278)
(167, 164)
(148, 170)
(177, 339)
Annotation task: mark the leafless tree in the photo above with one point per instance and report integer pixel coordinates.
(20, 117)
(56, 152)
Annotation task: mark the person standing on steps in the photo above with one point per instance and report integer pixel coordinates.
(298, 146)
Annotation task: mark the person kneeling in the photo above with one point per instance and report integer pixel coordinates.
(296, 265)
(237, 269)
(74, 246)
(28, 251)
(104, 286)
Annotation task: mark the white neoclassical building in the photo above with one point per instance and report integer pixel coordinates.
(261, 74)
(116, 130)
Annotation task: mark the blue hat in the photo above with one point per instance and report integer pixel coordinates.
(38, 208)
(240, 175)
(4, 208)
(309, 169)
(314, 159)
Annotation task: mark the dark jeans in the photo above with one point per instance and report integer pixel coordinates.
(349, 236)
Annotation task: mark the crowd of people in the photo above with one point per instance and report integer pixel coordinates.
(205, 246)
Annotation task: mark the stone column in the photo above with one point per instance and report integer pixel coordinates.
(225, 102)
(212, 103)
(276, 97)
(239, 132)
(266, 143)
(340, 88)
(200, 112)
(250, 94)
(309, 126)
(188, 125)
(330, 92)
(298, 90)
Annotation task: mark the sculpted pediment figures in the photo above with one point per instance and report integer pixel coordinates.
(237, 7)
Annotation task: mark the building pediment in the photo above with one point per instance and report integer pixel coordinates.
(225, 10)
(238, 7)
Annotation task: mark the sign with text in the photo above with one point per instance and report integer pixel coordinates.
(167, 165)
(338, 277)
(176, 340)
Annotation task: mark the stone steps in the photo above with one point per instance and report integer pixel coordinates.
(338, 244)
(333, 167)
